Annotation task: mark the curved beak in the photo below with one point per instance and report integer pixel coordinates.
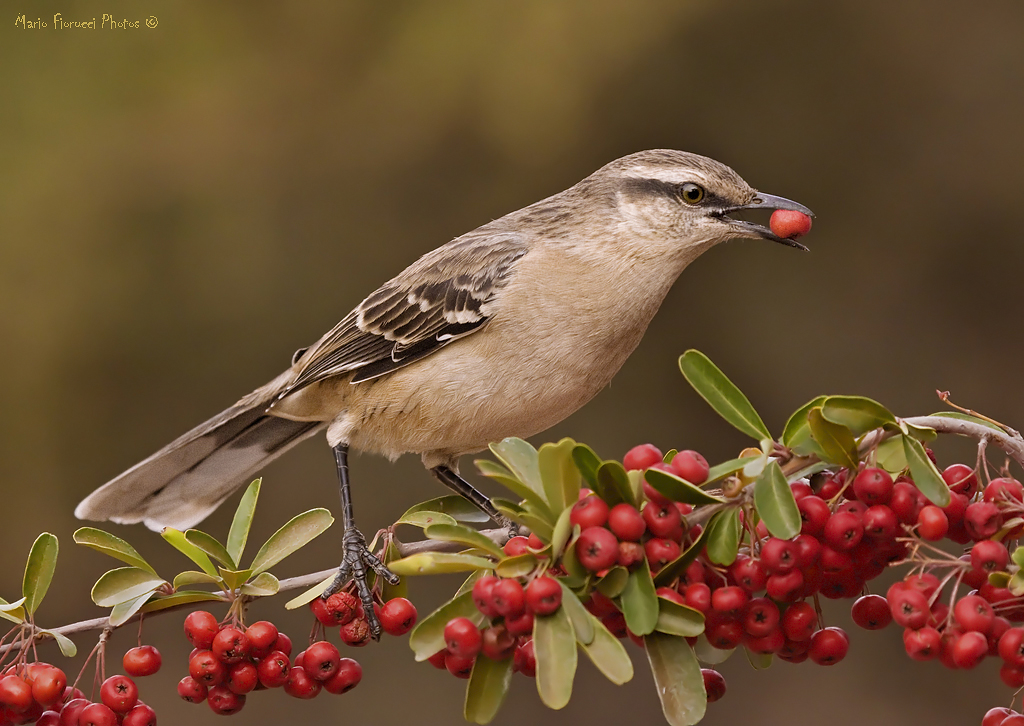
(769, 202)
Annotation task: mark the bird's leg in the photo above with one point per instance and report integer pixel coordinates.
(466, 490)
(357, 559)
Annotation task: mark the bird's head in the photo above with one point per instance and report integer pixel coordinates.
(676, 197)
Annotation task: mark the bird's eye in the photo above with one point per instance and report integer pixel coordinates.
(692, 193)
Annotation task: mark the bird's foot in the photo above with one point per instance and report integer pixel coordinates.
(507, 524)
(356, 565)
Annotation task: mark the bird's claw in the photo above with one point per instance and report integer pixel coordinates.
(356, 564)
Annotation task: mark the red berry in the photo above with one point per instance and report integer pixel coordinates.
(397, 616)
(262, 635)
(544, 595)
(497, 643)
(48, 718)
(462, 638)
(660, 552)
(483, 590)
(590, 511)
(969, 650)
(1011, 646)
(642, 457)
(873, 486)
(909, 608)
(714, 684)
(321, 660)
(300, 685)
(283, 644)
(191, 690)
(729, 601)
(141, 715)
(983, 519)
(907, 501)
(779, 555)
(206, 668)
(241, 678)
(97, 714)
(523, 625)
(338, 609)
(748, 573)
(525, 660)
(459, 666)
(828, 646)
(880, 523)
(1003, 489)
(799, 622)
(15, 693)
(230, 645)
(698, 597)
(669, 594)
(844, 531)
(789, 224)
(814, 514)
(871, 612)
(691, 466)
(961, 478)
(223, 702)
(974, 613)
(724, 634)
(346, 678)
(273, 670)
(144, 660)
(932, 523)
(761, 617)
(597, 549)
(517, 546)
(626, 522)
(631, 554)
(119, 693)
(200, 628)
(989, 556)
(48, 684)
(509, 599)
(785, 586)
(922, 644)
(996, 716)
(661, 519)
(355, 633)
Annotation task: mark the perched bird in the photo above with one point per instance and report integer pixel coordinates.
(504, 331)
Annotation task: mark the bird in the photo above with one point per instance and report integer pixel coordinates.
(504, 331)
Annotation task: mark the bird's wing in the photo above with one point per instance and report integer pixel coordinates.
(440, 298)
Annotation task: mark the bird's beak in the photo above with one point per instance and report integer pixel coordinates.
(769, 202)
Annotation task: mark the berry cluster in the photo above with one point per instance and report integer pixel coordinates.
(509, 609)
(228, 663)
(345, 611)
(39, 693)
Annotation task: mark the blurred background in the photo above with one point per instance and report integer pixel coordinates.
(184, 206)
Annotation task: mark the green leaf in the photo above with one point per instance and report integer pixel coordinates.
(123, 611)
(389, 591)
(212, 547)
(775, 503)
(193, 577)
(540, 522)
(123, 584)
(639, 601)
(425, 517)
(561, 533)
(234, 579)
(242, 521)
(708, 653)
(459, 508)
(488, 685)
(108, 544)
(185, 597)
(177, 540)
(518, 566)
(293, 536)
(759, 661)
(13, 611)
(436, 563)
(921, 433)
(427, 637)
(677, 679)
(309, 595)
(968, 417)
(42, 561)
(678, 489)
(554, 644)
(836, 442)
(1014, 583)
(669, 455)
(797, 432)
(580, 617)
(720, 471)
(9, 607)
(521, 459)
(608, 654)
(614, 582)
(503, 476)
(463, 535)
(676, 619)
(724, 536)
(613, 484)
(667, 574)
(262, 585)
(722, 395)
(66, 645)
(926, 477)
(559, 474)
(891, 456)
(857, 413)
(1018, 556)
(588, 463)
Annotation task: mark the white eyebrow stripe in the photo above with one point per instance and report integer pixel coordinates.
(670, 176)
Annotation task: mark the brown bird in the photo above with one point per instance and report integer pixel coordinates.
(504, 331)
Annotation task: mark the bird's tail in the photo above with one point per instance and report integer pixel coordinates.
(181, 484)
